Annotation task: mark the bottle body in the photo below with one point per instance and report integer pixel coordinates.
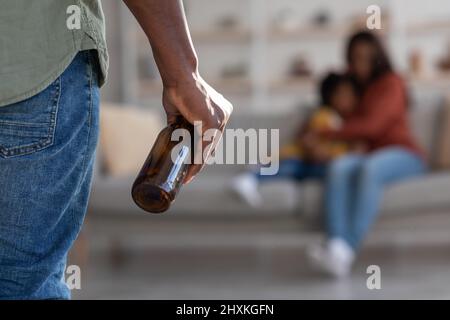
(165, 168)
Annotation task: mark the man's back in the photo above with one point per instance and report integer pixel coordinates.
(38, 40)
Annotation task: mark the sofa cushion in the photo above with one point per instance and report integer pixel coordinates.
(441, 158)
(127, 135)
(424, 112)
(421, 194)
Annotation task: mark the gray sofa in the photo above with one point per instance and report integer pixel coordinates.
(209, 194)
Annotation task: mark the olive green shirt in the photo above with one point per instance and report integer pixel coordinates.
(39, 39)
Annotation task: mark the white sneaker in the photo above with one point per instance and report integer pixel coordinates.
(246, 187)
(334, 258)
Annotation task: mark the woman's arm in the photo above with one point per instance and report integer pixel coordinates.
(380, 107)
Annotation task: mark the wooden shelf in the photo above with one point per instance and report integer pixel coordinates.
(313, 32)
(290, 84)
(228, 36)
(316, 33)
(440, 80)
(238, 85)
(441, 26)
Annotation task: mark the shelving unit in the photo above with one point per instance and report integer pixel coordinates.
(220, 36)
(431, 27)
(308, 33)
(266, 51)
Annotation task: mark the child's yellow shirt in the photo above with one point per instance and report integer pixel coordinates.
(323, 118)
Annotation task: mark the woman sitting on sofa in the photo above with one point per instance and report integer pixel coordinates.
(355, 182)
(306, 155)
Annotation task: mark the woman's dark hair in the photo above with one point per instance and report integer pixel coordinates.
(329, 84)
(381, 62)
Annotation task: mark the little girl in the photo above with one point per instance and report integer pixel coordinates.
(305, 157)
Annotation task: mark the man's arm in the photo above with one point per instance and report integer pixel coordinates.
(185, 92)
(164, 23)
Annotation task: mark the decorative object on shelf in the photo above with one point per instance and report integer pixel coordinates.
(286, 20)
(230, 37)
(444, 62)
(416, 64)
(228, 23)
(359, 21)
(321, 19)
(299, 67)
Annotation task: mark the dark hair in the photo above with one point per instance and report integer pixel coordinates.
(381, 62)
(329, 84)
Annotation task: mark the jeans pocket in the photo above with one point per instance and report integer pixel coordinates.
(29, 126)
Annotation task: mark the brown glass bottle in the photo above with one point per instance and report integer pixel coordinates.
(163, 172)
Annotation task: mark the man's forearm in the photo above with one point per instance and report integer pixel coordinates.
(165, 25)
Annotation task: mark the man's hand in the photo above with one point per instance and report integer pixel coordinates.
(185, 92)
(197, 101)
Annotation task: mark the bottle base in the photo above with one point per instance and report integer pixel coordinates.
(151, 198)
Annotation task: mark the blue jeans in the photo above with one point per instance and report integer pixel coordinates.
(47, 147)
(296, 169)
(354, 188)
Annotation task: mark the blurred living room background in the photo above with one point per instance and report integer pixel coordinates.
(266, 57)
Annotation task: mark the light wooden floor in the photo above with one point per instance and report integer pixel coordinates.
(256, 260)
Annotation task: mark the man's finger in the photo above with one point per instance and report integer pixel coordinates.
(204, 149)
(197, 156)
(192, 172)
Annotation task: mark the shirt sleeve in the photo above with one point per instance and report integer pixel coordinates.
(382, 104)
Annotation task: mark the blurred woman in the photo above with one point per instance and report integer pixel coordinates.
(306, 155)
(355, 182)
